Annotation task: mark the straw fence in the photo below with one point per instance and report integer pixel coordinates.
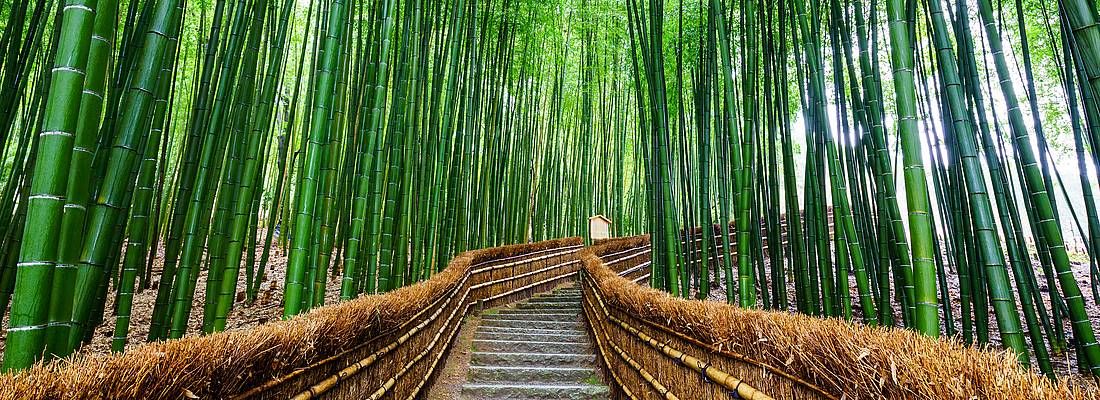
(374, 347)
(653, 346)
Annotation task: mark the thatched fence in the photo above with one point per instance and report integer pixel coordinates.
(653, 346)
(375, 347)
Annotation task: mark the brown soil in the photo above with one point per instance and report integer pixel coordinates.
(448, 384)
(268, 305)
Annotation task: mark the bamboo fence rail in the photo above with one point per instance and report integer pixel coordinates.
(653, 346)
(378, 347)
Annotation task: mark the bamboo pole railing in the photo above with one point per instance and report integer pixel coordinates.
(385, 346)
(491, 287)
(653, 346)
(602, 317)
(650, 346)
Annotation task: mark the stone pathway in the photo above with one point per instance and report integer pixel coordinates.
(535, 349)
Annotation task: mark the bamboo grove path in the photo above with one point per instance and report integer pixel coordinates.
(554, 320)
(534, 349)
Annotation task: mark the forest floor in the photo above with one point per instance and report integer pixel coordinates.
(1064, 363)
(448, 383)
(267, 307)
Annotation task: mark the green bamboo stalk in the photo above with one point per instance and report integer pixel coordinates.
(1087, 37)
(920, 222)
(135, 115)
(38, 255)
(318, 134)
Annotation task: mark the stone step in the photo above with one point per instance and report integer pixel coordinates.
(531, 346)
(524, 330)
(537, 349)
(555, 299)
(536, 360)
(533, 391)
(537, 337)
(510, 311)
(547, 316)
(572, 295)
(519, 323)
(499, 374)
(557, 294)
(559, 304)
(552, 301)
(571, 306)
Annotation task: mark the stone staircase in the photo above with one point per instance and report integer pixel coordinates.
(536, 349)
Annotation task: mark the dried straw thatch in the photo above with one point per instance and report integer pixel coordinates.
(405, 333)
(840, 359)
(229, 363)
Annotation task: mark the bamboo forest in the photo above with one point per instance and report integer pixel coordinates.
(542, 199)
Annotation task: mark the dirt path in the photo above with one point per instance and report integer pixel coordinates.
(448, 384)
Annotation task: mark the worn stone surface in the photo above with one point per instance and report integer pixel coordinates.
(536, 349)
